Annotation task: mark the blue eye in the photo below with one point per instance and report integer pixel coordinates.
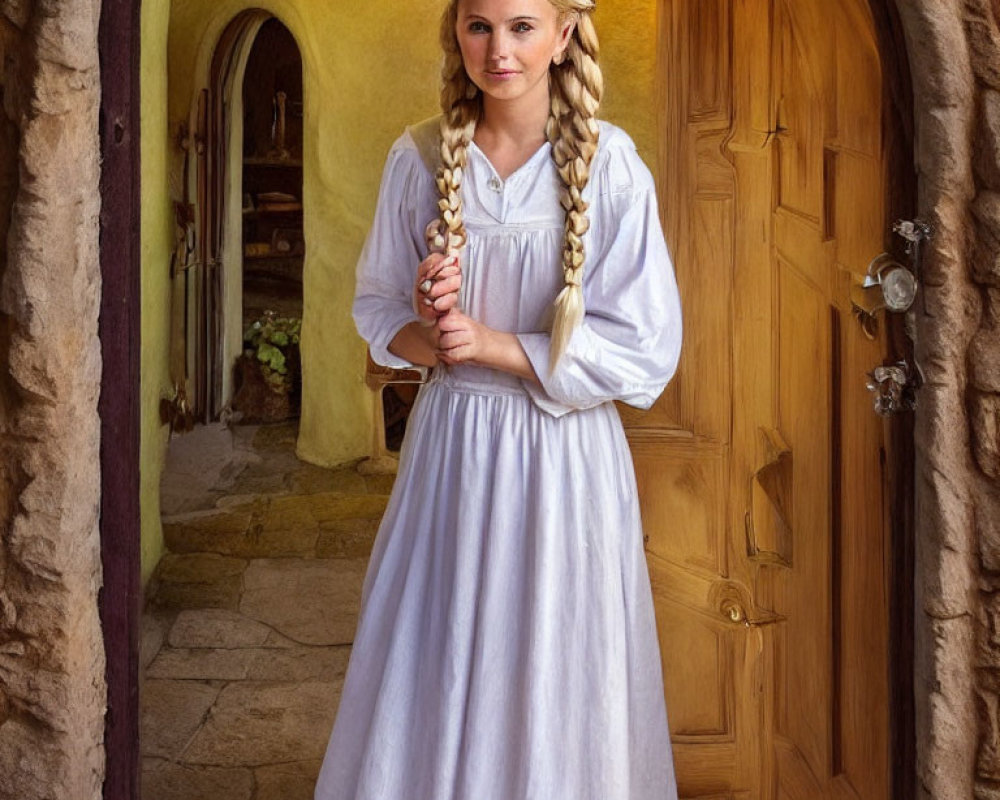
(522, 27)
(478, 27)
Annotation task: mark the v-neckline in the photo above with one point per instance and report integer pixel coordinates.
(521, 168)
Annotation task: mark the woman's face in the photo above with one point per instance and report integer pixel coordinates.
(507, 46)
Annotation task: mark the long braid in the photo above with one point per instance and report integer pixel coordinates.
(461, 108)
(576, 87)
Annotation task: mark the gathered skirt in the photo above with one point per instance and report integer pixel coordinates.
(506, 648)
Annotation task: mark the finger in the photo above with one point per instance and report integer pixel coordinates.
(452, 321)
(446, 262)
(431, 261)
(428, 264)
(444, 286)
(447, 272)
(450, 265)
(449, 358)
(450, 341)
(446, 303)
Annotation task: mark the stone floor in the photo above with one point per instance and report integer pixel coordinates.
(250, 615)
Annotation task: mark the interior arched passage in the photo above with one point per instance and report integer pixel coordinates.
(245, 173)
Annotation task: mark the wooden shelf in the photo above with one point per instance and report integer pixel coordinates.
(257, 213)
(275, 256)
(272, 162)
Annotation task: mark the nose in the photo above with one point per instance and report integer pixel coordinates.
(499, 49)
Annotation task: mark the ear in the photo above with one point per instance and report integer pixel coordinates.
(565, 34)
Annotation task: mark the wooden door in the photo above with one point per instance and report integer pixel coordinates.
(760, 469)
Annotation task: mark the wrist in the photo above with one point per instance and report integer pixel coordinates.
(494, 347)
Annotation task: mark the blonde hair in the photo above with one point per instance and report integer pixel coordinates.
(576, 86)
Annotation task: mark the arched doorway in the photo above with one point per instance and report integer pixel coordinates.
(244, 299)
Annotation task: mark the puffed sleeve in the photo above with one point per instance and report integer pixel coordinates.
(628, 344)
(383, 300)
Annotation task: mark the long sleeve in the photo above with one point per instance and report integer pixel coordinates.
(383, 300)
(628, 344)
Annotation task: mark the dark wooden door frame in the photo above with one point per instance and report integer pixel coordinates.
(120, 599)
(901, 203)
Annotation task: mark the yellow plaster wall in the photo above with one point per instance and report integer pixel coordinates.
(156, 233)
(370, 67)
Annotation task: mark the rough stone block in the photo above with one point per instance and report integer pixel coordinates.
(988, 532)
(201, 664)
(986, 791)
(277, 436)
(380, 484)
(205, 526)
(162, 780)
(242, 532)
(295, 781)
(991, 632)
(310, 479)
(254, 724)
(172, 711)
(348, 538)
(306, 664)
(222, 629)
(985, 427)
(152, 634)
(311, 601)
(988, 757)
(986, 259)
(25, 749)
(198, 567)
(986, 149)
(325, 664)
(984, 41)
(984, 360)
(223, 593)
(285, 513)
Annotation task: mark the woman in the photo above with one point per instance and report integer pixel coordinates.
(506, 648)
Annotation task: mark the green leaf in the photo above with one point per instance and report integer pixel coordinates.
(271, 355)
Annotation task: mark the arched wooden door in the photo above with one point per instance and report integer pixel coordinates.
(760, 469)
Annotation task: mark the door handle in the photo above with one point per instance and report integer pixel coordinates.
(738, 615)
(894, 387)
(733, 602)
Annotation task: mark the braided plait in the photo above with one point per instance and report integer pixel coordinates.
(576, 86)
(461, 108)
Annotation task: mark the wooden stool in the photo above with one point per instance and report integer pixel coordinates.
(377, 377)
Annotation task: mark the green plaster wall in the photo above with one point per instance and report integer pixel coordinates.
(157, 234)
(370, 68)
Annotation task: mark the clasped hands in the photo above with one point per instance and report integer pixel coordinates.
(454, 337)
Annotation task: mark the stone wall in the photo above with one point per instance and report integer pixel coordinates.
(954, 52)
(52, 690)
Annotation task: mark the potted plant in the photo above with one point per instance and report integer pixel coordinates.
(268, 373)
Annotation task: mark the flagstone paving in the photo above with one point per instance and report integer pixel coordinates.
(250, 615)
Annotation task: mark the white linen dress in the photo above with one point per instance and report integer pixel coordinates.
(506, 648)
